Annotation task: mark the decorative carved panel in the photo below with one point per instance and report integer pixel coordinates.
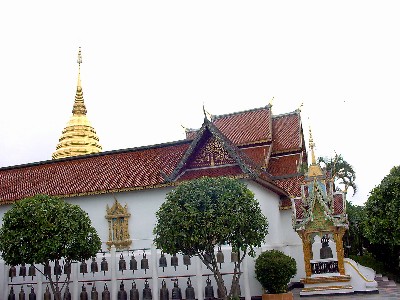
(118, 218)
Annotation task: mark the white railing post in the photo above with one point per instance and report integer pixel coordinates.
(5, 289)
(74, 279)
(199, 278)
(113, 265)
(246, 281)
(154, 270)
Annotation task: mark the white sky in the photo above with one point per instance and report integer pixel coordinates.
(148, 67)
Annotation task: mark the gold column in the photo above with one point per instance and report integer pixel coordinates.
(307, 250)
(338, 236)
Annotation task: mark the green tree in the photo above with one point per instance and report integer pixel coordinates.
(354, 237)
(41, 229)
(382, 219)
(201, 214)
(342, 172)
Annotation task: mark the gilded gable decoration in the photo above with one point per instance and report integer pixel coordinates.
(118, 226)
(212, 154)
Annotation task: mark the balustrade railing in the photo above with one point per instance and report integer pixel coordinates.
(324, 267)
(137, 271)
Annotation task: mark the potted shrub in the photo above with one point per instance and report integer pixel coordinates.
(274, 269)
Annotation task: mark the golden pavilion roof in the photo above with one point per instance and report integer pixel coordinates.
(78, 137)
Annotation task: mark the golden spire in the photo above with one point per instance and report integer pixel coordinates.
(78, 137)
(314, 169)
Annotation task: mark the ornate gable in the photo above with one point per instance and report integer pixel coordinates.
(210, 154)
(211, 150)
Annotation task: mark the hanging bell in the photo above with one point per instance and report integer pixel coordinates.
(189, 293)
(32, 271)
(176, 291)
(11, 295)
(12, 272)
(220, 256)
(94, 267)
(174, 261)
(164, 293)
(22, 270)
(67, 268)
(83, 267)
(104, 265)
(32, 295)
(47, 270)
(105, 295)
(67, 294)
(133, 263)
(47, 295)
(21, 295)
(163, 261)
(122, 263)
(84, 295)
(57, 268)
(94, 295)
(122, 295)
(57, 295)
(186, 261)
(134, 292)
(147, 291)
(144, 263)
(234, 256)
(209, 290)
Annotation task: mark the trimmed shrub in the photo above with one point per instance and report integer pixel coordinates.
(274, 269)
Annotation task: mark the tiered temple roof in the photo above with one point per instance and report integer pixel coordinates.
(252, 144)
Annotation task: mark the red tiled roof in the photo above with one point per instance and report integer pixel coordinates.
(114, 170)
(246, 127)
(284, 165)
(291, 185)
(338, 206)
(286, 133)
(299, 209)
(260, 155)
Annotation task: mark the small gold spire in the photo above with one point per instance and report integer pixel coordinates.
(314, 169)
(271, 101)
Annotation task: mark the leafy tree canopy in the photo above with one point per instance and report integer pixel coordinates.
(203, 213)
(341, 171)
(43, 228)
(382, 211)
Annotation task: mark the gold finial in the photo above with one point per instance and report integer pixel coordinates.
(301, 105)
(79, 61)
(271, 101)
(312, 145)
(314, 169)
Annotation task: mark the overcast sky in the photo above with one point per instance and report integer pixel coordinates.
(149, 66)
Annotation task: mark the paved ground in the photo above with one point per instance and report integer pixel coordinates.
(387, 293)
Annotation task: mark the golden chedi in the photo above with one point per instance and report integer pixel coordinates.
(78, 137)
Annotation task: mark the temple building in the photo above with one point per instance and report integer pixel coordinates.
(121, 190)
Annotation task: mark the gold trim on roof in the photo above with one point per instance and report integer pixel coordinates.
(78, 137)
